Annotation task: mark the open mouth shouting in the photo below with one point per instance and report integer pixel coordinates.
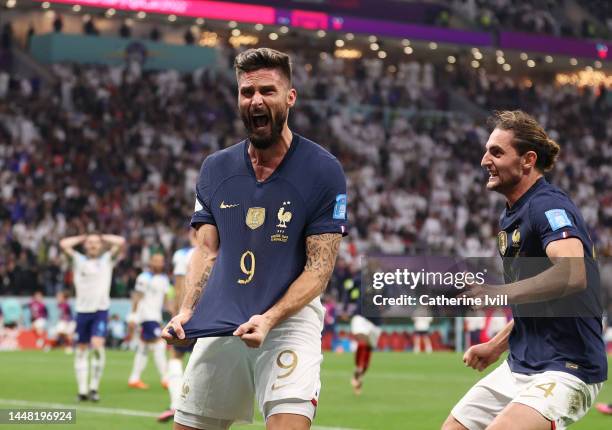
(260, 121)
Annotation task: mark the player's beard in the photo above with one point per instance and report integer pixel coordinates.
(504, 183)
(276, 122)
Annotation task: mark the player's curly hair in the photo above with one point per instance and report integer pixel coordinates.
(263, 58)
(528, 136)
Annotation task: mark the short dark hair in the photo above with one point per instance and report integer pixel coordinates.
(528, 136)
(263, 58)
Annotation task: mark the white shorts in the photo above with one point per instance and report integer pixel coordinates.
(363, 326)
(223, 375)
(559, 397)
(65, 327)
(39, 324)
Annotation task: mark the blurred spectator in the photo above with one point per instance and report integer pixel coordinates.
(116, 332)
(58, 23)
(11, 312)
(89, 27)
(155, 34)
(189, 37)
(125, 31)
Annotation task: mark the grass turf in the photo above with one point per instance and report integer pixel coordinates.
(401, 391)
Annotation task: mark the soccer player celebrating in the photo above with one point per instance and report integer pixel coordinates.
(147, 305)
(269, 217)
(180, 261)
(92, 279)
(556, 364)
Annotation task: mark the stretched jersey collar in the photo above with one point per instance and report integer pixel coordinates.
(521, 201)
(294, 143)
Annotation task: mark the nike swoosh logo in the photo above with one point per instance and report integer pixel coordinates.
(225, 206)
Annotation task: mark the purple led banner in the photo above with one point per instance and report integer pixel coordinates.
(551, 45)
(394, 29)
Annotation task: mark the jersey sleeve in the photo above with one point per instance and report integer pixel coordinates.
(77, 260)
(178, 264)
(202, 213)
(554, 218)
(328, 202)
(141, 282)
(107, 258)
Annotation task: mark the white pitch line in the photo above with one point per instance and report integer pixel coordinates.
(114, 411)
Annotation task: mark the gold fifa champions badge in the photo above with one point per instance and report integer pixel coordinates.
(255, 217)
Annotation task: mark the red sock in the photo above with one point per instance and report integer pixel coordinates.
(362, 356)
(367, 355)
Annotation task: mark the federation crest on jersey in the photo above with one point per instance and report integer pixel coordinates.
(502, 241)
(255, 217)
(284, 216)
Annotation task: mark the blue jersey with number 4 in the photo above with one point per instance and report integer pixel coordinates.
(262, 228)
(563, 334)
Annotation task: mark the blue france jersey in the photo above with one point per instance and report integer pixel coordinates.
(262, 228)
(571, 344)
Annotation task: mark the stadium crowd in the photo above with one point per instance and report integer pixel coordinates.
(118, 149)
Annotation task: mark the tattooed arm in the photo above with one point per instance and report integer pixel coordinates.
(321, 253)
(198, 271)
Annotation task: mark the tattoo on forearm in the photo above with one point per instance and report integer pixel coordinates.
(321, 253)
(195, 290)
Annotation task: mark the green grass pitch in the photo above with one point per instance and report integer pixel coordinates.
(401, 391)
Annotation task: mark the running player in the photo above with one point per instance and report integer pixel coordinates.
(270, 213)
(92, 279)
(556, 364)
(147, 305)
(38, 316)
(366, 333)
(65, 326)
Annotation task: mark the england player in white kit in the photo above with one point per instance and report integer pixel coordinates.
(92, 279)
(148, 302)
(180, 261)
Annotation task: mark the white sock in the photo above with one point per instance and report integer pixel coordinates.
(81, 369)
(140, 361)
(159, 356)
(98, 360)
(175, 380)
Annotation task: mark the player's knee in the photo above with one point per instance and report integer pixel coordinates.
(451, 423)
(97, 342)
